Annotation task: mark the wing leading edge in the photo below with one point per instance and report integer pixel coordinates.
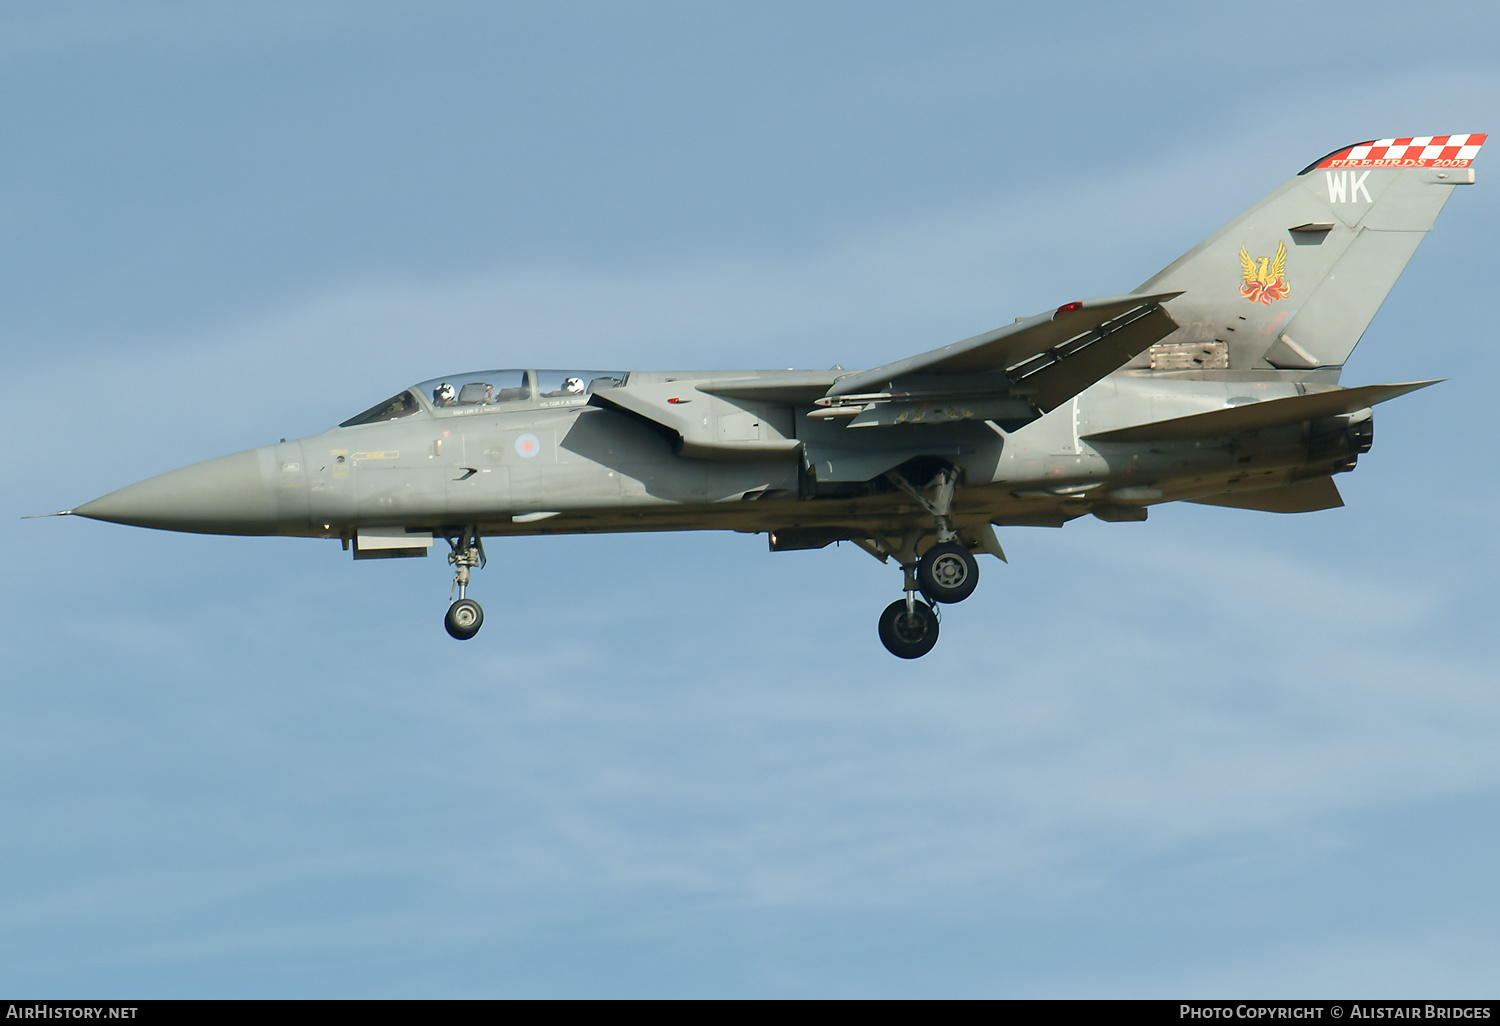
(1047, 359)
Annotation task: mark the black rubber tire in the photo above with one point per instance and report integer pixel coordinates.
(908, 637)
(947, 573)
(464, 619)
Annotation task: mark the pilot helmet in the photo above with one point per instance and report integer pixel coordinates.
(573, 386)
(443, 394)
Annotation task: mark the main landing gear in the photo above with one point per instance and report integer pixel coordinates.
(909, 627)
(946, 573)
(465, 616)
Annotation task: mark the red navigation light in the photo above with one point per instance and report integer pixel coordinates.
(1070, 307)
(674, 400)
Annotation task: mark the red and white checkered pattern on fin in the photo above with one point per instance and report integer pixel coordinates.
(1414, 151)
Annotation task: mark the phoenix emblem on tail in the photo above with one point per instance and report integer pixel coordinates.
(1265, 278)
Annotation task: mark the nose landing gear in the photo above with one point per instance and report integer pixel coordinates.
(465, 616)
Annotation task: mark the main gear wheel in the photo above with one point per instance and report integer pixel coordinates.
(908, 629)
(947, 572)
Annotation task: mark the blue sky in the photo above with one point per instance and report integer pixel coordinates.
(1219, 752)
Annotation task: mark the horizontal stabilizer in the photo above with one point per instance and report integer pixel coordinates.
(1058, 334)
(1302, 497)
(1255, 416)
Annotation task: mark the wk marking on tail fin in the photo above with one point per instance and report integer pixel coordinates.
(1412, 151)
(1346, 186)
(1264, 279)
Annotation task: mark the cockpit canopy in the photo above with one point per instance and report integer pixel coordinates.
(479, 391)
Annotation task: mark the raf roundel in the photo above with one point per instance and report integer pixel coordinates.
(528, 446)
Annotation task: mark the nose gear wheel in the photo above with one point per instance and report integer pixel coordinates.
(464, 619)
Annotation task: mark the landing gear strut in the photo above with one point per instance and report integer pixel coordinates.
(947, 572)
(465, 616)
(909, 627)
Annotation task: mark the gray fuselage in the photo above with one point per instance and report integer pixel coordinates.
(569, 465)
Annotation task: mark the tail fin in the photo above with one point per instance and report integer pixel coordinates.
(1295, 280)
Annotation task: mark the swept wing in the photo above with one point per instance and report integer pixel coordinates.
(1048, 358)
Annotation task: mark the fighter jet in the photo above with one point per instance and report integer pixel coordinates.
(1217, 382)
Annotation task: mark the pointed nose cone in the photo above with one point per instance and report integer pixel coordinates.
(227, 495)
